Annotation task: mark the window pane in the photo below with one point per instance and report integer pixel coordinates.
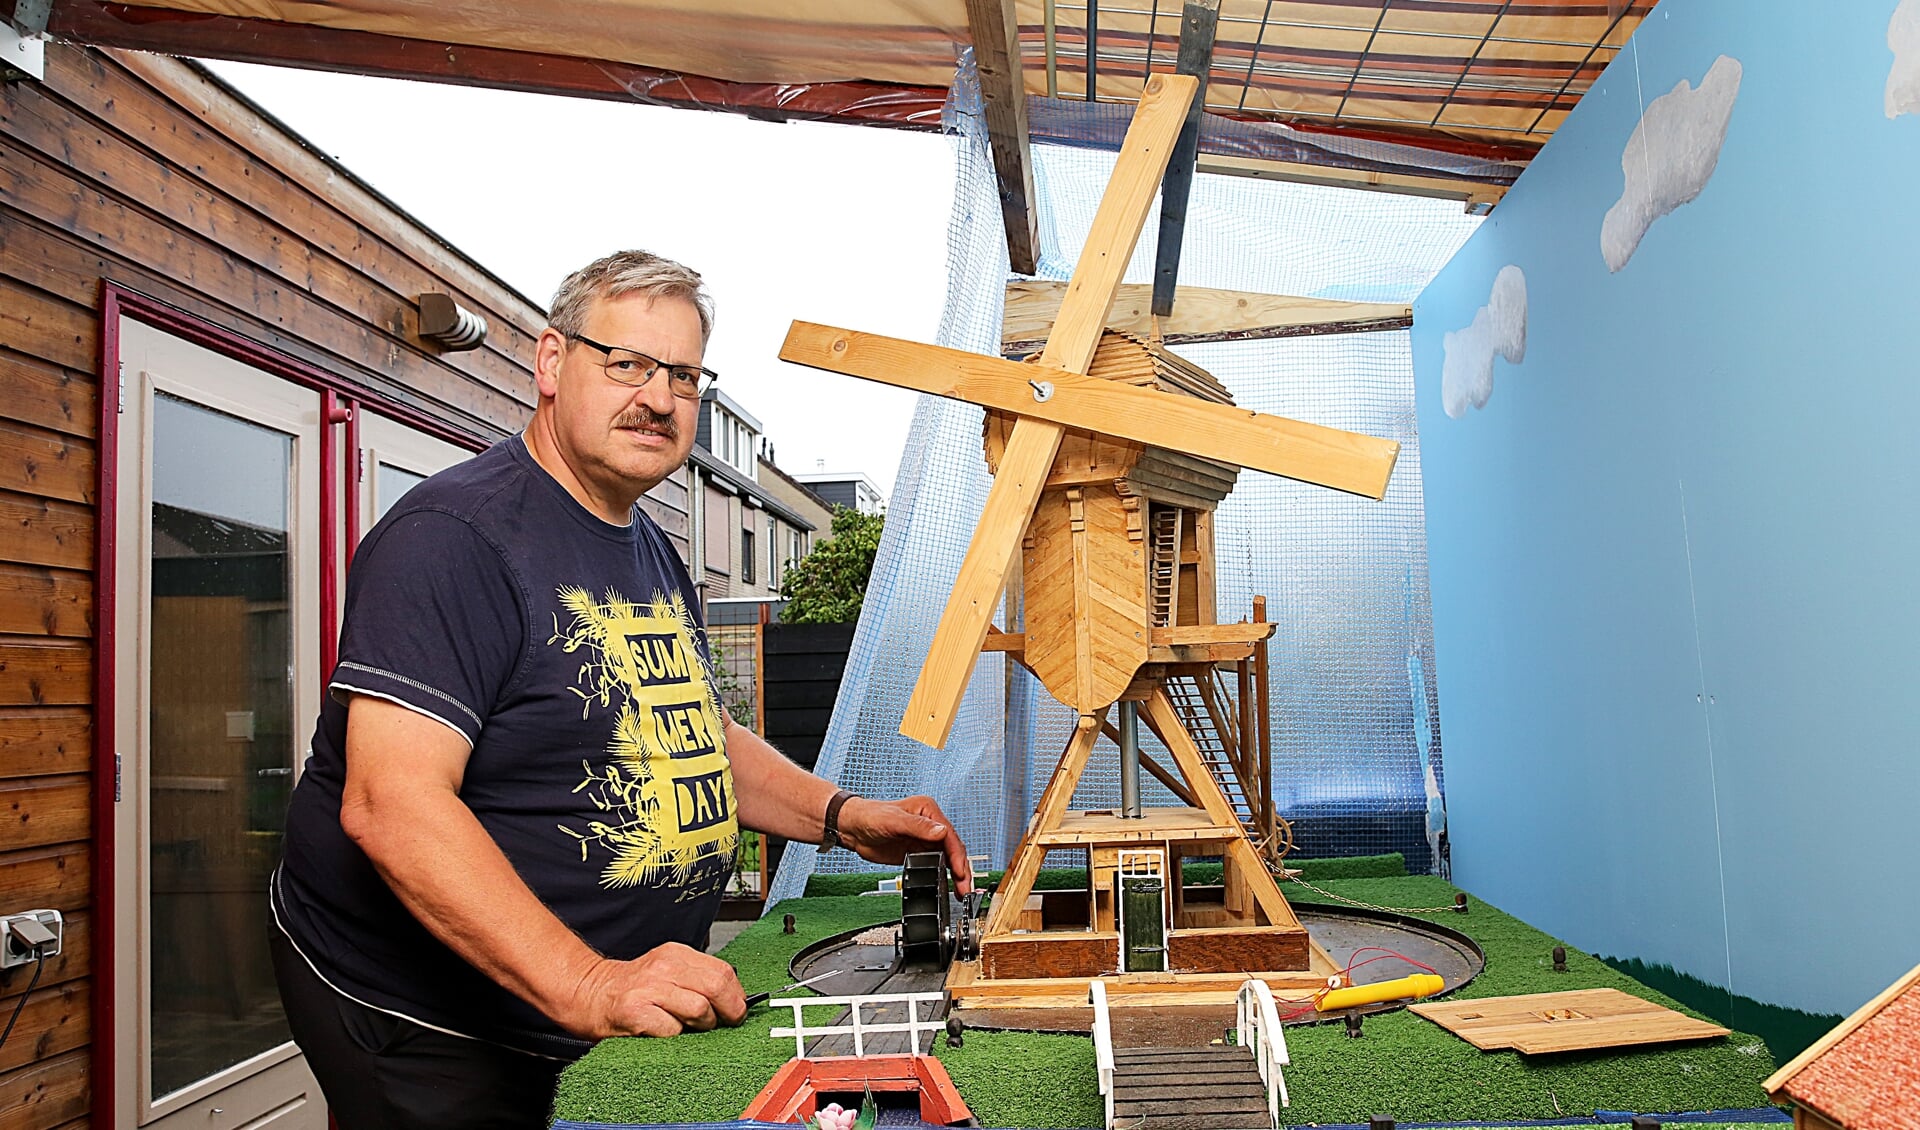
(390, 485)
(222, 735)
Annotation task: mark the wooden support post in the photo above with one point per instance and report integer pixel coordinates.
(1003, 93)
(1263, 720)
(1206, 601)
(1197, 25)
(1250, 736)
(760, 669)
(1017, 884)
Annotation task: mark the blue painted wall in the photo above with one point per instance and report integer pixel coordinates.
(1675, 557)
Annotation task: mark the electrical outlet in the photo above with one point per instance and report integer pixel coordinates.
(51, 919)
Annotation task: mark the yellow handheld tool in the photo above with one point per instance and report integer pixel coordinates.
(1415, 986)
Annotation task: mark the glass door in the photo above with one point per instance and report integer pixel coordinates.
(217, 654)
(394, 459)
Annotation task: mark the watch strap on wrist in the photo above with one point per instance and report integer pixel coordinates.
(830, 836)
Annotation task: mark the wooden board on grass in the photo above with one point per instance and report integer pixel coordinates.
(1564, 1022)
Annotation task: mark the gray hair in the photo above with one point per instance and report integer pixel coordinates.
(627, 272)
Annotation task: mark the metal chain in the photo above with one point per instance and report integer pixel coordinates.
(1322, 891)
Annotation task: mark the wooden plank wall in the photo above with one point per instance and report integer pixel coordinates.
(140, 170)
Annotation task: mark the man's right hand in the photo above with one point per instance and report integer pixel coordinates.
(666, 991)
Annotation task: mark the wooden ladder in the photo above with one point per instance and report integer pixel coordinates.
(1164, 575)
(1204, 1088)
(1202, 711)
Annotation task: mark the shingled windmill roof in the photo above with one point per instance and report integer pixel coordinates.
(1866, 1072)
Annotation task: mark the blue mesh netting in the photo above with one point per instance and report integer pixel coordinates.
(1356, 744)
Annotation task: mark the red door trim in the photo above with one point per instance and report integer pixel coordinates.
(117, 302)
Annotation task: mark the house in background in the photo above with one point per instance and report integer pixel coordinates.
(747, 522)
(850, 489)
(213, 379)
(217, 371)
(795, 542)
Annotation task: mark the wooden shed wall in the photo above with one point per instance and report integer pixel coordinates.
(142, 171)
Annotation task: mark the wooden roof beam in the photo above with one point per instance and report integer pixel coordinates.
(1197, 24)
(996, 55)
(1200, 314)
(1478, 196)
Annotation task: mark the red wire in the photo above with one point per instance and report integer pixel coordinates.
(1312, 1003)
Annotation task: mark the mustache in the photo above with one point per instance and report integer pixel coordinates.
(650, 420)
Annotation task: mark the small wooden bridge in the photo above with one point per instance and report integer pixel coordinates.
(1204, 1088)
(1210, 1087)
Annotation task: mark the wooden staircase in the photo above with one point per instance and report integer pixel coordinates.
(1205, 1088)
(1213, 723)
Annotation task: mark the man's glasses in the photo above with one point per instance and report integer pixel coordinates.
(633, 368)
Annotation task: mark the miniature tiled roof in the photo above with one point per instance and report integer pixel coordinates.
(1866, 1072)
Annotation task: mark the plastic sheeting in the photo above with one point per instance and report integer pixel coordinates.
(1357, 764)
(1436, 74)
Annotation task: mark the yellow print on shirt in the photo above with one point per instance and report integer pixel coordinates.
(664, 799)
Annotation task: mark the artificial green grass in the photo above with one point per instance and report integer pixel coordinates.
(1414, 1070)
(1068, 878)
(704, 1076)
(1405, 1067)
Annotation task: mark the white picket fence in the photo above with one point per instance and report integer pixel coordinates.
(858, 1026)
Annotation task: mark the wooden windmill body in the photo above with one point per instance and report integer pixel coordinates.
(1109, 455)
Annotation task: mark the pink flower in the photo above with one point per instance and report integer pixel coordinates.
(834, 1117)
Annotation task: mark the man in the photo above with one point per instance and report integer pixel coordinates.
(524, 793)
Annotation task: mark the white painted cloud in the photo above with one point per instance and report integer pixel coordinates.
(1903, 35)
(1498, 329)
(1670, 156)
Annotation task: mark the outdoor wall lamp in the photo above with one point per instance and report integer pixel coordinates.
(450, 325)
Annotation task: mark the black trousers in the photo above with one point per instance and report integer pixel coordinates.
(384, 1072)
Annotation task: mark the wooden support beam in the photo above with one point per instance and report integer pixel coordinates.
(1184, 635)
(1003, 94)
(1479, 197)
(1328, 457)
(1011, 896)
(1197, 23)
(1201, 314)
(1159, 714)
(1033, 443)
(1263, 724)
(276, 43)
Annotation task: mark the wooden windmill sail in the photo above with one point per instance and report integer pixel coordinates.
(1108, 456)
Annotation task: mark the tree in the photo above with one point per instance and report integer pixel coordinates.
(826, 586)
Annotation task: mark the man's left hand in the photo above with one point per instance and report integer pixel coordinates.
(884, 831)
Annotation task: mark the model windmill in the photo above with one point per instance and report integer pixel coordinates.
(1109, 455)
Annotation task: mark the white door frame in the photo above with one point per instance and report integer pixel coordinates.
(153, 361)
(399, 445)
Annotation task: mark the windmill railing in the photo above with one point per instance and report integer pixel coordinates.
(1259, 1030)
(856, 1026)
(1103, 1045)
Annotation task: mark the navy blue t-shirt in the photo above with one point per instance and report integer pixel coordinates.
(570, 655)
